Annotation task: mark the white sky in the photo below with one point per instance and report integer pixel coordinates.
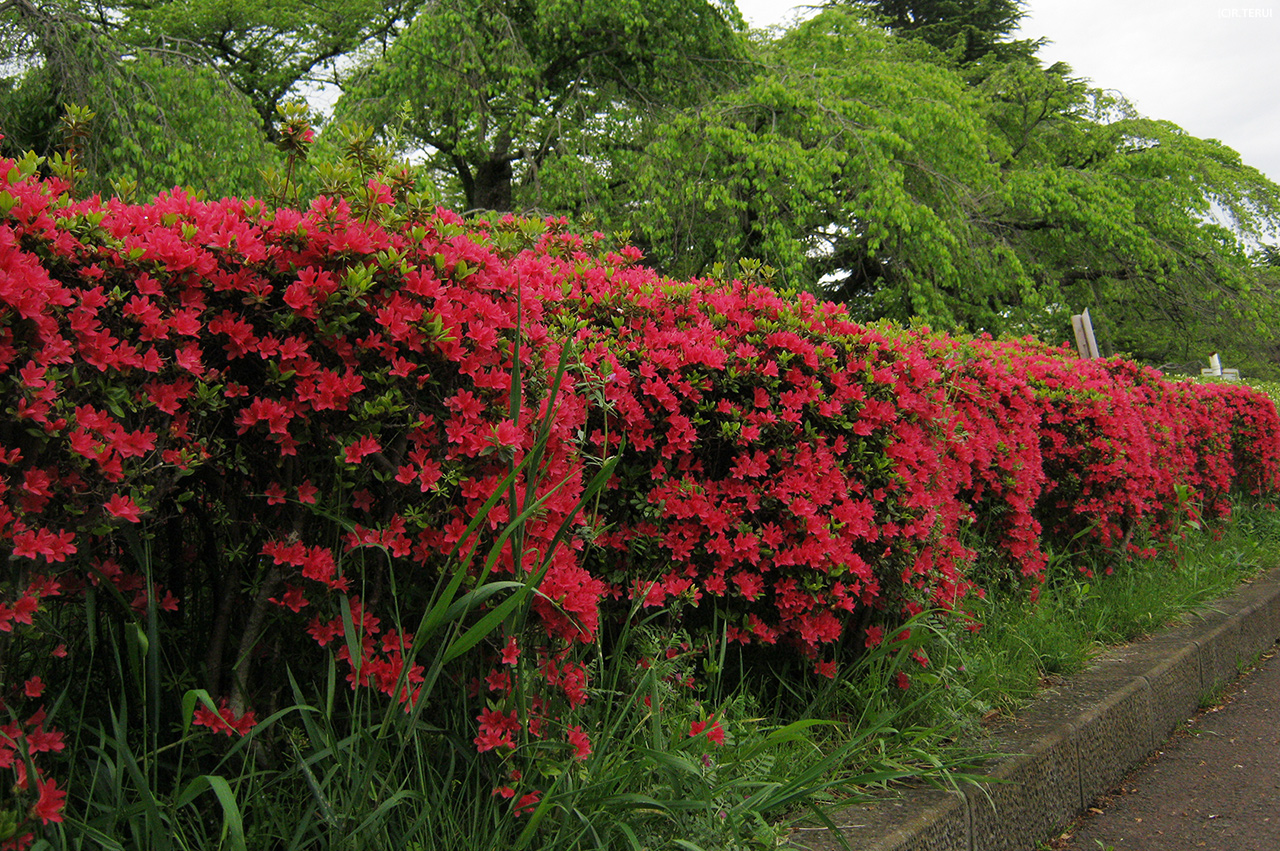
(1210, 66)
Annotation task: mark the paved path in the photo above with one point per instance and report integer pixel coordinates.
(1214, 786)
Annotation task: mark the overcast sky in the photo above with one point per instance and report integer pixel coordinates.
(1210, 66)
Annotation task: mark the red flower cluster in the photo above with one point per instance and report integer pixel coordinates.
(710, 727)
(20, 742)
(224, 720)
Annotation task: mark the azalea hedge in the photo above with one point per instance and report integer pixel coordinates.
(264, 435)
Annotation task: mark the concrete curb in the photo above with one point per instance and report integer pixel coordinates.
(1075, 742)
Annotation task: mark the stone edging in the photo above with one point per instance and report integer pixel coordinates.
(1074, 743)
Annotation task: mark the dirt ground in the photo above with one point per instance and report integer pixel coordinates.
(1214, 785)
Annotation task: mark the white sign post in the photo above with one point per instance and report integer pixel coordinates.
(1086, 344)
(1215, 370)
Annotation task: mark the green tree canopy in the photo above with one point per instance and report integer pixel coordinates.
(966, 30)
(493, 91)
(1134, 216)
(853, 163)
(869, 168)
(268, 49)
(185, 92)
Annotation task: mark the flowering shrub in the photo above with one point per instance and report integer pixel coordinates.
(221, 415)
(263, 399)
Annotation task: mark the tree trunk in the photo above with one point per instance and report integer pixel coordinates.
(492, 187)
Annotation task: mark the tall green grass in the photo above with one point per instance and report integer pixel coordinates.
(362, 775)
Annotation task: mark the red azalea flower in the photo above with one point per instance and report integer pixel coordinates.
(133, 444)
(711, 726)
(499, 681)
(580, 741)
(292, 599)
(496, 729)
(24, 608)
(41, 740)
(511, 652)
(224, 720)
(324, 633)
(49, 806)
(527, 803)
(507, 433)
(365, 445)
